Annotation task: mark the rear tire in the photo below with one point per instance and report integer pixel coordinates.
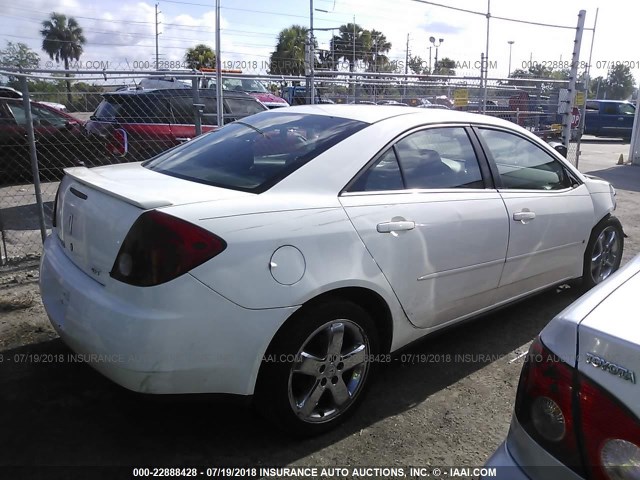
(317, 368)
(604, 252)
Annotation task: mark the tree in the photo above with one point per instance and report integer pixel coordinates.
(620, 83)
(445, 66)
(375, 48)
(539, 71)
(18, 55)
(62, 39)
(288, 57)
(350, 44)
(200, 56)
(418, 66)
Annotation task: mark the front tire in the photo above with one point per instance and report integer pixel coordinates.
(317, 368)
(604, 252)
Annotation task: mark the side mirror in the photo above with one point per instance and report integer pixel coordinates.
(560, 148)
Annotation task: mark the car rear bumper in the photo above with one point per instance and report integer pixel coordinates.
(503, 465)
(520, 457)
(178, 337)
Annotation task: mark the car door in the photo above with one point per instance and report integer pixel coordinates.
(550, 213)
(58, 141)
(438, 232)
(626, 114)
(16, 163)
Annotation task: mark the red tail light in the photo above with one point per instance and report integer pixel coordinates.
(160, 247)
(544, 404)
(118, 143)
(576, 420)
(610, 433)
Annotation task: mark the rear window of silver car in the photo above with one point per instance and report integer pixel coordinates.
(257, 152)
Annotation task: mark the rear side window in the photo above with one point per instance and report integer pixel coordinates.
(434, 158)
(257, 152)
(183, 111)
(133, 108)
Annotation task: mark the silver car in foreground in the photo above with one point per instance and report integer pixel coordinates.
(578, 404)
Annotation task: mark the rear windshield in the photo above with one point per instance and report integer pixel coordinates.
(257, 152)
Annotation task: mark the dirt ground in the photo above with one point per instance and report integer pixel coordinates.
(449, 408)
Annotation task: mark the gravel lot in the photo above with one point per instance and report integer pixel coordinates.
(451, 408)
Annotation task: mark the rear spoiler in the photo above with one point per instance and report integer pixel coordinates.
(126, 193)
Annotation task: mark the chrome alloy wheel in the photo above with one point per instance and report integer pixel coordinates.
(329, 371)
(605, 254)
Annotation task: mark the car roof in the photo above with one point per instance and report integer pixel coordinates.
(608, 101)
(174, 92)
(376, 113)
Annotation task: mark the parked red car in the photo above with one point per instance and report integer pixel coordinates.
(139, 124)
(59, 141)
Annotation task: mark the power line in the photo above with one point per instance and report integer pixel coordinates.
(507, 19)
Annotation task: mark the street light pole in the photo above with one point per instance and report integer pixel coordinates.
(433, 42)
(510, 42)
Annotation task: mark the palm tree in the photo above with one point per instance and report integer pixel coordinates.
(200, 56)
(288, 57)
(62, 39)
(376, 46)
(350, 44)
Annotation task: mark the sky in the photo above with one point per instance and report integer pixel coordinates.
(121, 34)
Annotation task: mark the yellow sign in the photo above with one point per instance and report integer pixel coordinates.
(579, 99)
(461, 98)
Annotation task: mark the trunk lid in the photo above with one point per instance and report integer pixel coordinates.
(609, 344)
(97, 207)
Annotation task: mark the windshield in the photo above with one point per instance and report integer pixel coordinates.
(256, 153)
(243, 85)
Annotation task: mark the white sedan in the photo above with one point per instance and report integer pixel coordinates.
(283, 255)
(577, 413)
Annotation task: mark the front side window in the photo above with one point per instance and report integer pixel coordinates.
(256, 152)
(18, 113)
(522, 164)
(627, 109)
(47, 117)
(383, 175)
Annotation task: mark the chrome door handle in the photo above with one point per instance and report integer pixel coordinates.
(183, 139)
(524, 216)
(388, 227)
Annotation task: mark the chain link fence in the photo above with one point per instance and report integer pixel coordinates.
(49, 122)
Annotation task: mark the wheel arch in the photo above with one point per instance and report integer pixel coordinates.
(369, 300)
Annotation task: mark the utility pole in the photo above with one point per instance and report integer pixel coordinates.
(587, 82)
(486, 61)
(353, 59)
(312, 56)
(157, 34)
(571, 91)
(219, 105)
(406, 67)
(510, 42)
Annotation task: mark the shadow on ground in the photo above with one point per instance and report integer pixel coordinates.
(25, 217)
(67, 414)
(622, 177)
